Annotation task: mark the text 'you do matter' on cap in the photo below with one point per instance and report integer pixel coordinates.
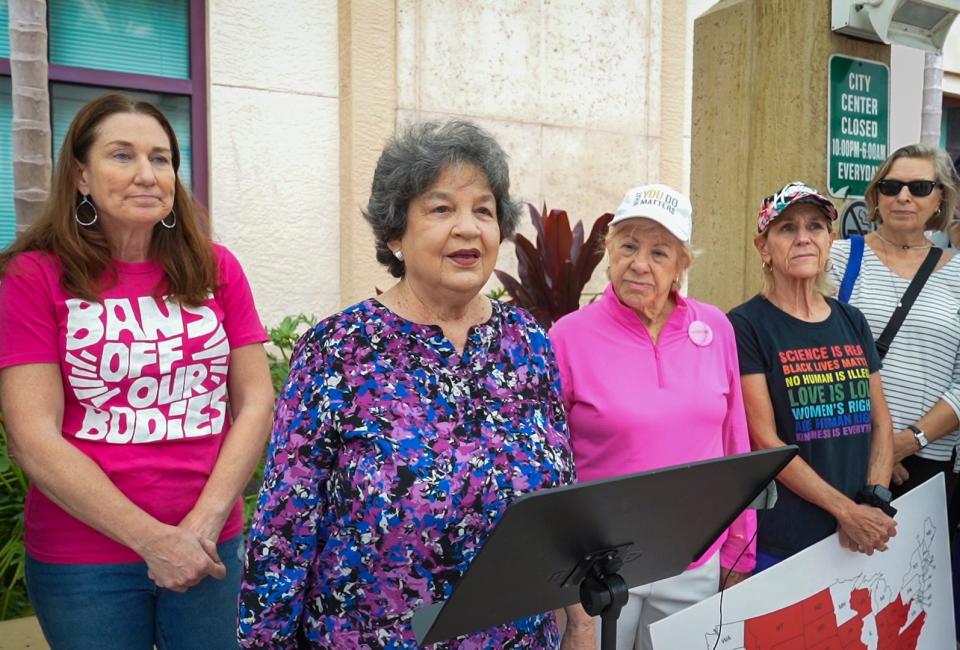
(659, 203)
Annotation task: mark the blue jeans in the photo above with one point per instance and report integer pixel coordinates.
(105, 606)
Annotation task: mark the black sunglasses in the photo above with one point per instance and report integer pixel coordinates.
(891, 187)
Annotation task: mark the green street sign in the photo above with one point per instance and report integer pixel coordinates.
(858, 115)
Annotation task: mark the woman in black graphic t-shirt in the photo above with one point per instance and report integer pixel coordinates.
(810, 376)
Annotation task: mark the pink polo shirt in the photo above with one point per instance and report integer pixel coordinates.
(628, 400)
(144, 388)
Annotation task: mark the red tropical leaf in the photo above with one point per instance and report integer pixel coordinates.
(577, 242)
(531, 271)
(537, 219)
(567, 298)
(592, 251)
(553, 273)
(557, 244)
(514, 288)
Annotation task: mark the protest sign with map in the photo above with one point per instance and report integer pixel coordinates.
(828, 598)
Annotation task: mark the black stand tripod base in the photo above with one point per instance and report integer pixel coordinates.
(603, 593)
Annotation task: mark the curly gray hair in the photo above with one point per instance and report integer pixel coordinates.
(411, 163)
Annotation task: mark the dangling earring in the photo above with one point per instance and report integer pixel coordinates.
(399, 255)
(765, 266)
(76, 212)
(676, 284)
(937, 213)
(169, 226)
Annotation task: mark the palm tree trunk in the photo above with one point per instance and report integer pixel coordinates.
(31, 109)
(932, 113)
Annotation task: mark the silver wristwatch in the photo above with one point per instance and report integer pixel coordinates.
(919, 435)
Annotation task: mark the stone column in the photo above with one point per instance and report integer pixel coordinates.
(368, 106)
(760, 77)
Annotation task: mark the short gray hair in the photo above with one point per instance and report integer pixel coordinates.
(411, 163)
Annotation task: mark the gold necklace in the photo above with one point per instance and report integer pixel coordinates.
(905, 247)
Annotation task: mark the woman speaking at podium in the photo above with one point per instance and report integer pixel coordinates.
(409, 422)
(650, 379)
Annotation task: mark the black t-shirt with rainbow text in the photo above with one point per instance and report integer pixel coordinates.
(818, 375)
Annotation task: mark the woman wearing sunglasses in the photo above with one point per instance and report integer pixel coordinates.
(913, 191)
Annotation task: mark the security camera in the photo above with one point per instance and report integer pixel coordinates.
(917, 23)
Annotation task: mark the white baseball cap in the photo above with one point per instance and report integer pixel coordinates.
(659, 203)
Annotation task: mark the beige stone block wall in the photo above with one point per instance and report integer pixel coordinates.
(759, 121)
(274, 149)
(586, 98)
(368, 90)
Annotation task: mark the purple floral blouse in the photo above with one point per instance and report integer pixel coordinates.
(393, 456)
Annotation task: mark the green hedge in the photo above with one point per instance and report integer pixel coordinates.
(13, 488)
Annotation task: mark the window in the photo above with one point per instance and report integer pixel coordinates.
(950, 126)
(67, 99)
(151, 49)
(7, 221)
(5, 36)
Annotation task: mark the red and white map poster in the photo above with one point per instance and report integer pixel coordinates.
(828, 598)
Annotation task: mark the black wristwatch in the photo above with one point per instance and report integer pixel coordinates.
(920, 435)
(878, 497)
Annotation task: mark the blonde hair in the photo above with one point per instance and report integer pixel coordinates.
(945, 175)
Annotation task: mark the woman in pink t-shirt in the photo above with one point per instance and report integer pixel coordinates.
(136, 394)
(650, 379)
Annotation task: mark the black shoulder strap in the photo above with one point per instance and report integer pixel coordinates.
(906, 301)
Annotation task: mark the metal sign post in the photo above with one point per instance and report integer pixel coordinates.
(858, 132)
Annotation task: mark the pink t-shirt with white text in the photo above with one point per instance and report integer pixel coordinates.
(145, 388)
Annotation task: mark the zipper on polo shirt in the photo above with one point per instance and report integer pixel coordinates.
(656, 355)
(656, 352)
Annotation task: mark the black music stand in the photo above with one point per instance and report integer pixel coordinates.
(591, 542)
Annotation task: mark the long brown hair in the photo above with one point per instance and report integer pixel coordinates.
(184, 251)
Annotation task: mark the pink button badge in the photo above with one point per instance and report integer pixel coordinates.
(700, 333)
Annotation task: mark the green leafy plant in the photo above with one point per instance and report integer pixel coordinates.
(497, 293)
(13, 489)
(283, 338)
(554, 272)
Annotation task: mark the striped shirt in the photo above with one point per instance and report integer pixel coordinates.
(922, 365)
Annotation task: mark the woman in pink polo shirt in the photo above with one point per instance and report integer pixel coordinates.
(650, 379)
